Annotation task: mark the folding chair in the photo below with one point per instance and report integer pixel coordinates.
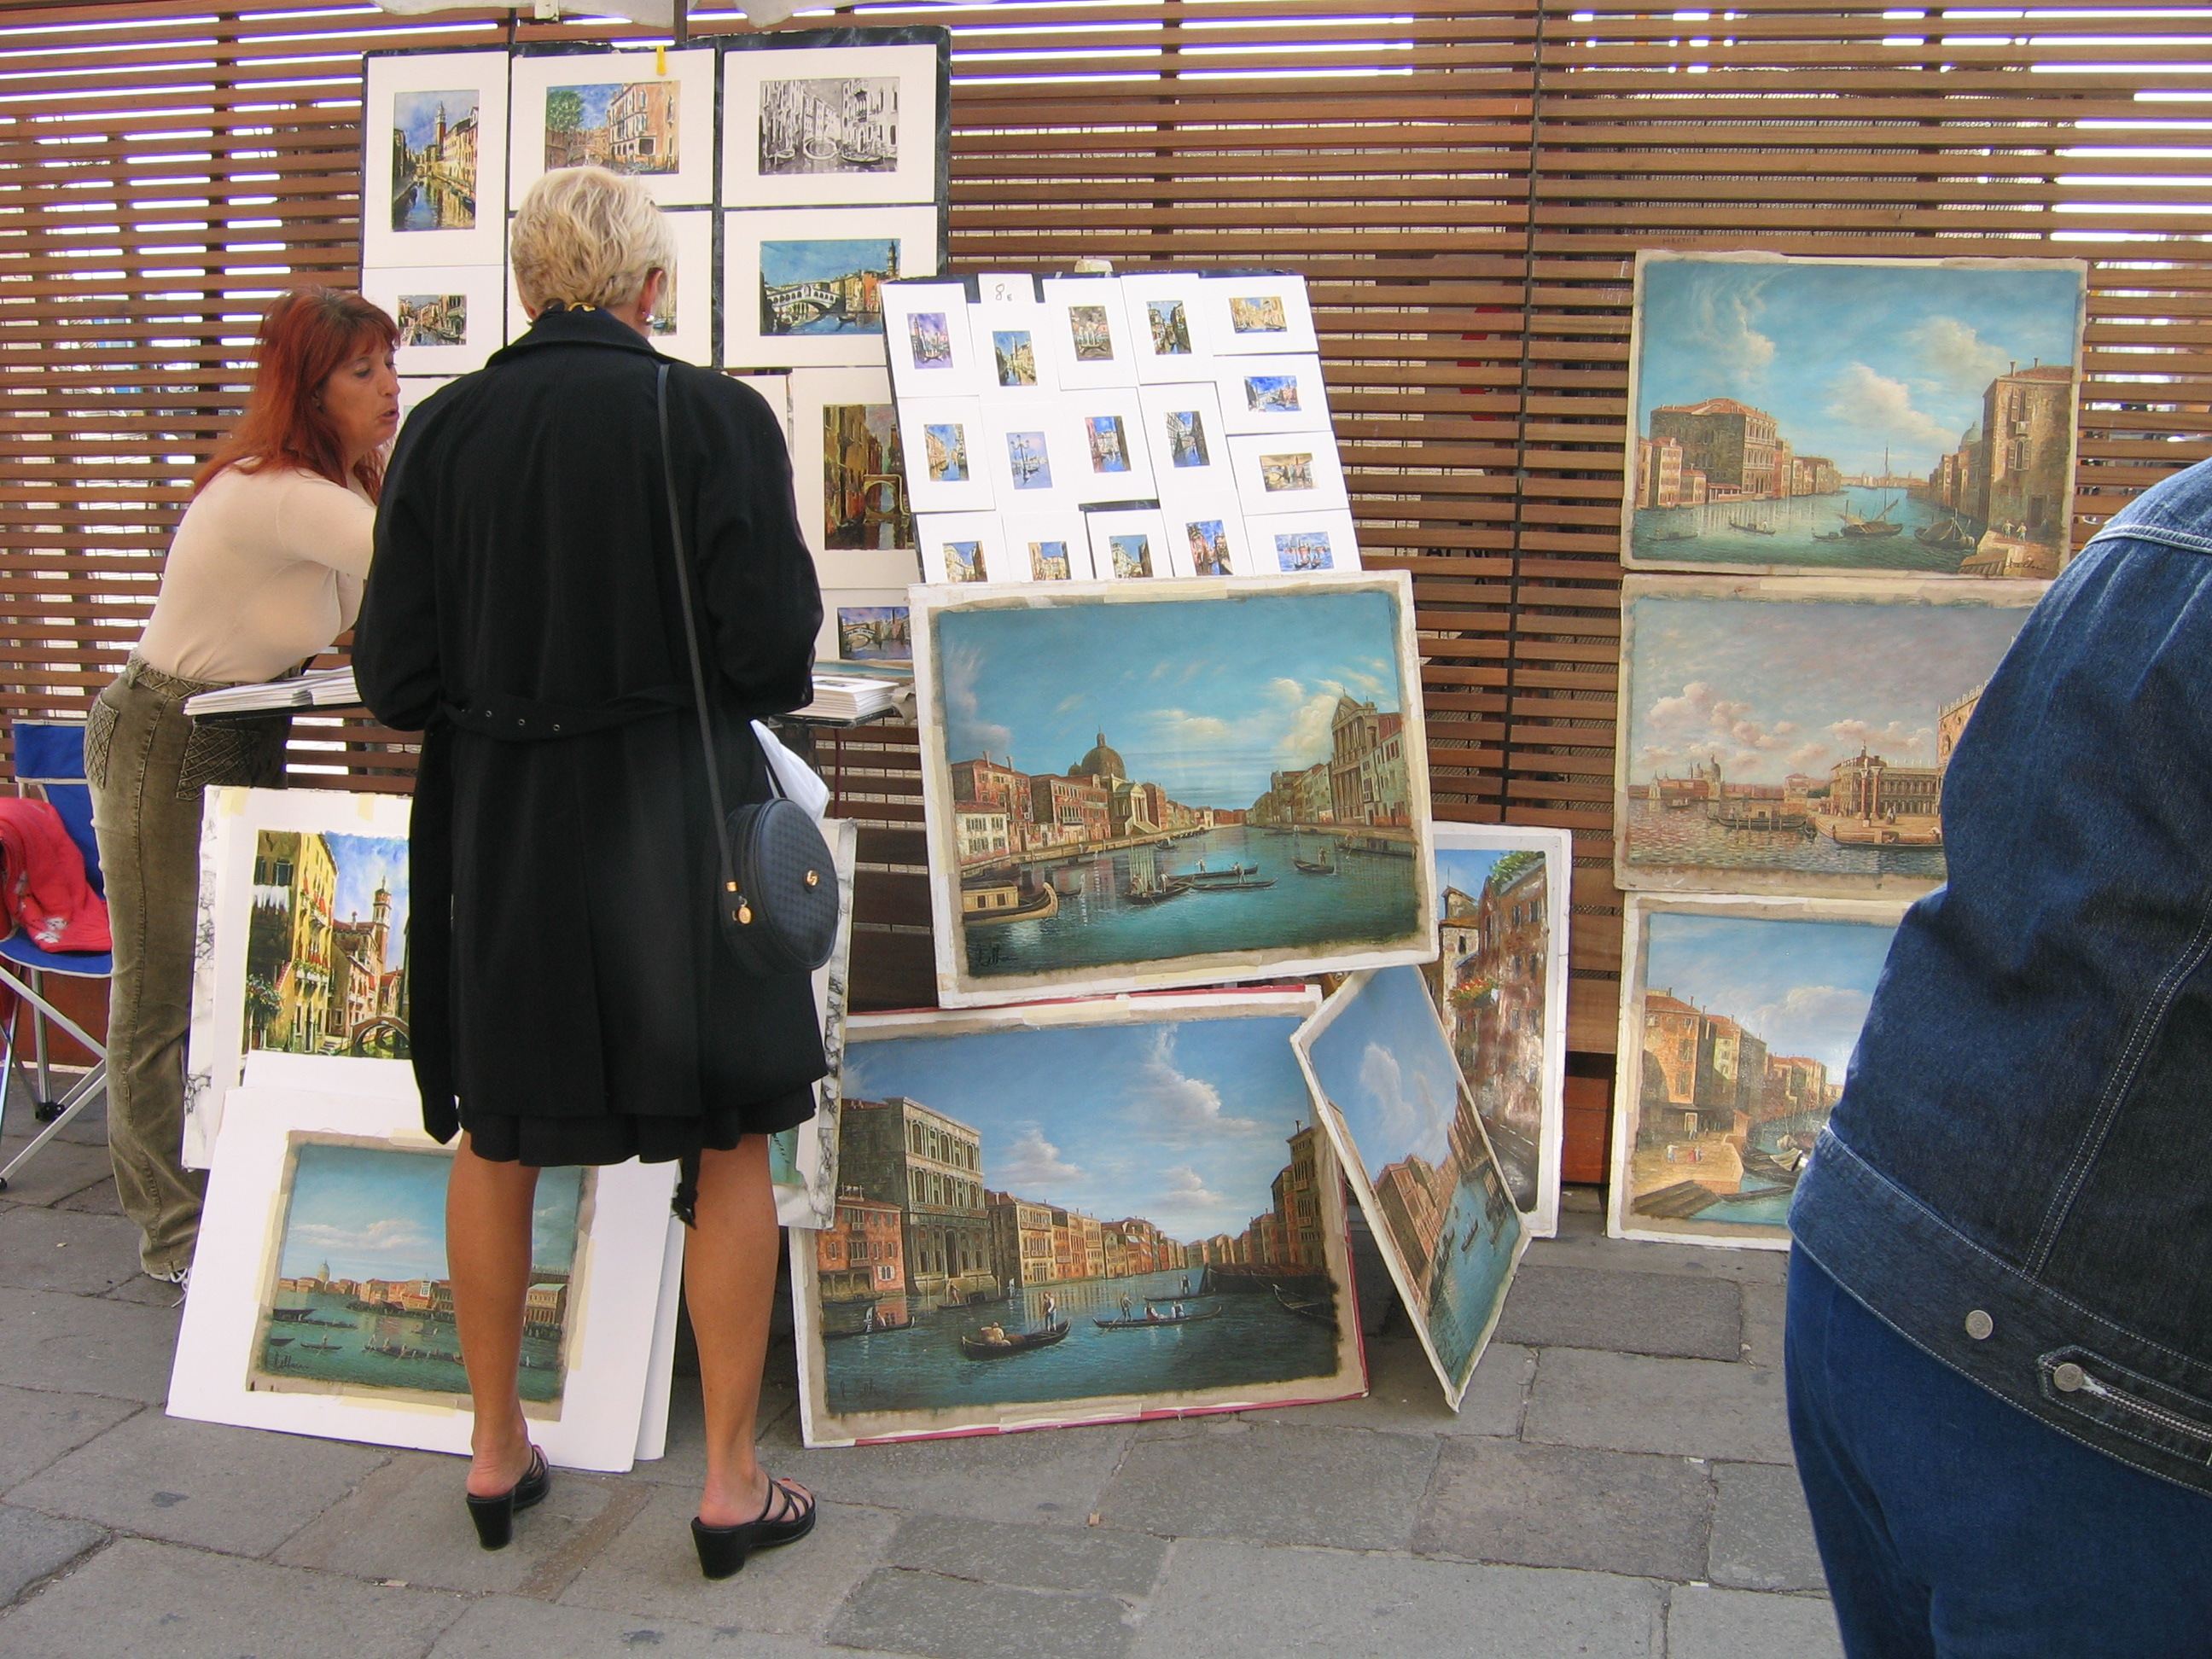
(50, 757)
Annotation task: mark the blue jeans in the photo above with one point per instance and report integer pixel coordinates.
(1951, 1524)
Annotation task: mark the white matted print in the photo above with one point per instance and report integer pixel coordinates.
(962, 547)
(1737, 1025)
(1413, 1147)
(1209, 537)
(1291, 544)
(1256, 312)
(803, 1160)
(1163, 312)
(1091, 333)
(989, 1308)
(1113, 460)
(1053, 690)
(942, 442)
(1131, 544)
(416, 389)
(831, 124)
(1017, 345)
(683, 321)
(802, 286)
(1289, 473)
(617, 110)
(776, 393)
(1046, 547)
(451, 318)
(847, 475)
(433, 161)
(1272, 394)
(1500, 983)
(926, 338)
(864, 624)
(1032, 456)
(1190, 449)
(299, 953)
(321, 1301)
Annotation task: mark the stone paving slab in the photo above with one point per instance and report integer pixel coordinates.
(1560, 1506)
(652, 1570)
(147, 1292)
(1763, 1309)
(86, 1345)
(504, 1627)
(240, 1491)
(33, 1546)
(1581, 1244)
(1100, 1559)
(1275, 1484)
(1049, 1474)
(1633, 1402)
(1673, 1313)
(37, 1427)
(61, 1251)
(1704, 1623)
(141, 1600)
(1404, 1396)
(61, 1169)
(407, 1521)
(922, 1613)
(98, 1199)
(1225, 1600)
(1762, 1534)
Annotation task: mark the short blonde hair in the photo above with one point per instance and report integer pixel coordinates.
(585, 237)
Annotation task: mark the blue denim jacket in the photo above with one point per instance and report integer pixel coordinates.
(2019, 1175)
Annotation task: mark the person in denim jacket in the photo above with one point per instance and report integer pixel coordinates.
(2000, 1324)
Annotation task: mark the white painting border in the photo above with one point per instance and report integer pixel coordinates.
(917, 68)
(692, 72)
(483, 294)
(813, 391)
(485, 72)
(918, 232)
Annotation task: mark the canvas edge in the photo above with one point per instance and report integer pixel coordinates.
(1627, 1058)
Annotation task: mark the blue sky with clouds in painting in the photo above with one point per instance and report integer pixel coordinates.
(365, 863)
(1801, 986)
(1205, 697)
(1848, 358)
(1384, 1063)
(374, 1212)
(1183, 1123)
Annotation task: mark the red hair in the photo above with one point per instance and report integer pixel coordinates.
(306, 338)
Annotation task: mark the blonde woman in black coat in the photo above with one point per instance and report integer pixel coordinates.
(578, 1008)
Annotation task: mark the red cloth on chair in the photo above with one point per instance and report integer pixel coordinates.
(42, 880)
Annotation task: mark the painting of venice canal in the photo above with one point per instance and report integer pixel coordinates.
(1032, 1217)
(1137, 783)
(1748, 1020)
(326, 945)
(362, 1301)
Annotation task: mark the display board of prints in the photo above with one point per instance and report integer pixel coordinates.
(1738, 1022)
(321, 1303)
(1075, 1212)
(1406, 1131)
(1500, 983)
(1131, 786)
(1117, 429)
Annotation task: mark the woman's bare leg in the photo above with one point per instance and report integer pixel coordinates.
(488, 1209)
(729, 1284)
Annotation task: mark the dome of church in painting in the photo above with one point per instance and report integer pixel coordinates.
(1100, 762)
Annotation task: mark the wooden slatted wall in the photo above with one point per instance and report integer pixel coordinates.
(1465, 190)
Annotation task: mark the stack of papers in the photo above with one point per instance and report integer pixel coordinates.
(852, 697)
(321, 688)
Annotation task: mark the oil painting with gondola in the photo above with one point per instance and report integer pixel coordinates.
(826, 286)
(1880, 414)
(1128, 1210)
(1791, 734)
(1738, 1026)
(1414, 1147)
(1122, 792)
(360, 1301)
(326, 945)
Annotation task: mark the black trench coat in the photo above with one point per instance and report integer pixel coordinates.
(578, 1007)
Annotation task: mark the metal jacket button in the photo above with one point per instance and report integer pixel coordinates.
(2068, 1377)
(1979, 1325)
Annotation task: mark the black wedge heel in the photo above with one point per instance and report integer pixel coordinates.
(723, 1550)
(494, 1516)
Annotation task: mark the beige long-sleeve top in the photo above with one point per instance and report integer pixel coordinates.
(265, 569)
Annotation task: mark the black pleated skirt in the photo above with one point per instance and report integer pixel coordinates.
(551, 1142)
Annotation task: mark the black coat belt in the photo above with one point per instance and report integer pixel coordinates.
(525, 720)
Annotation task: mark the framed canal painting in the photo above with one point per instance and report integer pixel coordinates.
(845, 454)
(802, 286)
(1075, 1212)
(821, 116)
(1736, 1030)
(1790, 734)
(1878, 414)
(299, 973)
(1500, 982)
(451, 318)
(1122, 793)
(433, 158)
(1406, 1131)
(648, 115)
(321, 1303)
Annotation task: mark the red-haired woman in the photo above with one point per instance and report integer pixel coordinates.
(264, 571)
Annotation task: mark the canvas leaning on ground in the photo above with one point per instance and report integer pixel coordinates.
(1122, 792)
(1737, 1029)
(1078, 1212)
(1880, 414)
(1791, 735)
(1412, 1144)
